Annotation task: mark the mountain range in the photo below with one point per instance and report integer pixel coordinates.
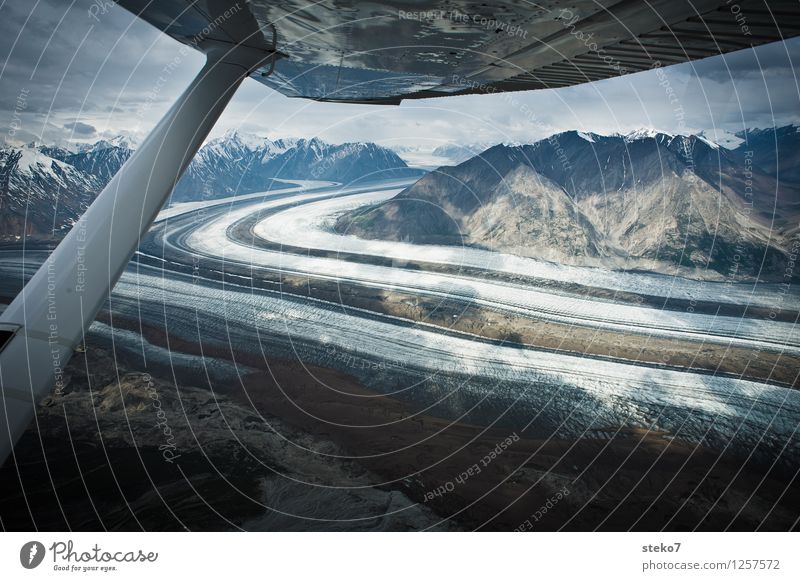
(643, 200)
(41, 194)
(45, 188)
(243, 163)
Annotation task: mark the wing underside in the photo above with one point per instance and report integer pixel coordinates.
(384, 52)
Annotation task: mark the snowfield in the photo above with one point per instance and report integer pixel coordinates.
(559, 394)
(303, 224)
(568, 394)
(309, 227)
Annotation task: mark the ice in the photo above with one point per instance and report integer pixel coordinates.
(299, 226)
(577, 390)
(308, 227)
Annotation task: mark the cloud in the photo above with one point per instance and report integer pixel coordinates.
(81, 129)
(72, 67)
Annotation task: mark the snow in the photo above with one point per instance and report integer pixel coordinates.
(644, 133)
(711, 144)
(273, 148)
(587, 136)
(121, 141)
(235, 139)
(182, 208)
(425, 160)
(33, 161)
(570, 392)
(301, 226)
(721, 137)
(248, 140)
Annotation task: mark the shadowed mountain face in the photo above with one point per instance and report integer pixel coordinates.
(39, 195)
(45, 189)
(239, 163)
(646, 199)
(775, 151)
(102, 160)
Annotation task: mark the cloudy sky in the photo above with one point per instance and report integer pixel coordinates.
(69, 77)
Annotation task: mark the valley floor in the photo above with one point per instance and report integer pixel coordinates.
(313, 381)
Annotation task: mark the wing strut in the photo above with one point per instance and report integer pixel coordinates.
(47, 320)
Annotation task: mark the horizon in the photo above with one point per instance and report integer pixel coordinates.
(85, 87)
(78, 146)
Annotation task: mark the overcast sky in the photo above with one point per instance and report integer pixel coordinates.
(68, 77)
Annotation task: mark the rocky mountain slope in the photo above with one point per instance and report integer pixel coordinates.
(228, 165)
(647, 200)
(44, 189)
(243, 163)
(39, 195)
(775, 150)
(102, 160)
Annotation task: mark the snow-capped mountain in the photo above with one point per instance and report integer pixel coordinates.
(121, 141)
(345, 163)
(225, 166)
(239, 163)
(54, 185)
(41, 195)
(660, 199)
(102, 160)
(722, 137)
(54, 151)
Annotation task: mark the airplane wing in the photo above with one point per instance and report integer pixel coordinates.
(384, 52)
(349, 52)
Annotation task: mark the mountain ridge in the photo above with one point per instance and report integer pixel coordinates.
(650, 198)
(45, 188)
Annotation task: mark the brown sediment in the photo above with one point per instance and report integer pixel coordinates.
(429, 453)
(454, 314)
(244, 232)
(614, 475)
